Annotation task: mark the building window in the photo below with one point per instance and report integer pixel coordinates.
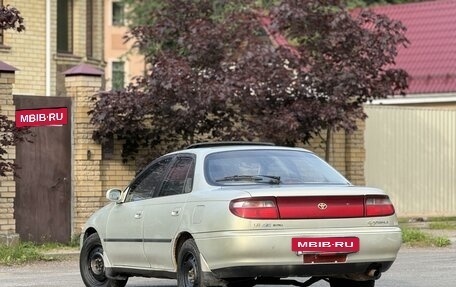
(117, 14)
(118, 75)
(65, 26)
(89, 28)
(107, 148)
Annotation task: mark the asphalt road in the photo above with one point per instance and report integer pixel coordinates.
(413, 268)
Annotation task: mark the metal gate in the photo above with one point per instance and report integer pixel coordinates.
(42, 206)
(411, 154)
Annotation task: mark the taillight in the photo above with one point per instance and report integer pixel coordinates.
(255, 208)
(378, 206)
(312, 207)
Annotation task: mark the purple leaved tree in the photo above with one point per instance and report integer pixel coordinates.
(10, 18)
(281, 71)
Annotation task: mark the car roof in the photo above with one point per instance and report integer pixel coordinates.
(227, 143)
(211, 147)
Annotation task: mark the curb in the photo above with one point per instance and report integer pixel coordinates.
(61, 254)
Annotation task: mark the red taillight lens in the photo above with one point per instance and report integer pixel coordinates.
(378, 206)
(255, 208)
(312, 207)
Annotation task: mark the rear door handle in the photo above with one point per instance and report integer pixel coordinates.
(138, 215)
(175, 212)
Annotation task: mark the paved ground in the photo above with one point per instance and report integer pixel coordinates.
(414, 267)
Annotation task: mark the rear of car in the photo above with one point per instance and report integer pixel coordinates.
(279, 212)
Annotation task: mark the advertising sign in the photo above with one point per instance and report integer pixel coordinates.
(326, 244)
(42, 117)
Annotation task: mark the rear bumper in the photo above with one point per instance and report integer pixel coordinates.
(307, 270)
(268, 253)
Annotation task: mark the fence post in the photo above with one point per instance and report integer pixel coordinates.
(8, 233)
(356, 155)
(82, 82)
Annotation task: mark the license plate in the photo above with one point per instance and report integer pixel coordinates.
(325, 244)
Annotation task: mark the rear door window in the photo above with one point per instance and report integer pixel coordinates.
(149, 181)
(180, 177)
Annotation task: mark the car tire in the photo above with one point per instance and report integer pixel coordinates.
(340, 282)
(189, 272)
(91, 265)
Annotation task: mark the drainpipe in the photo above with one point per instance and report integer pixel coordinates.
(48, 47)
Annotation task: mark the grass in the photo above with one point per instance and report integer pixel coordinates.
(20, 253)
(405, 220)
(434, 219)
(416, 237)
(443, 225)
(424, 232)
(27, 252)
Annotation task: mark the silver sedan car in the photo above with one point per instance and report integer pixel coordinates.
(240, 214)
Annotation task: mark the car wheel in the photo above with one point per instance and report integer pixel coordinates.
(91, 265)
(189, 266)
(340, 282)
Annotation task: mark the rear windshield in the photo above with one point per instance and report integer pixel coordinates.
(269, 166)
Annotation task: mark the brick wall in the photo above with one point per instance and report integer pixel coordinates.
(27, 50)
(7, 184)
(346, 153)
(114, 173)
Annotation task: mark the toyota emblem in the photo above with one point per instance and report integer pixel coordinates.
(322, 206)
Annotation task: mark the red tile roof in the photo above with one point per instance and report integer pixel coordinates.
(430, 58)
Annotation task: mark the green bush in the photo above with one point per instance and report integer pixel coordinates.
(418, 238)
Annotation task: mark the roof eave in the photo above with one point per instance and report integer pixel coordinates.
(417, 99)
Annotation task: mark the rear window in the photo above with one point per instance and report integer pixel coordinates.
(257, 166)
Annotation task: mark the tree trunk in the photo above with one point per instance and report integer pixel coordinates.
(327, 144)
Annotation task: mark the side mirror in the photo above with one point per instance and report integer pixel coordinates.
(114, 195)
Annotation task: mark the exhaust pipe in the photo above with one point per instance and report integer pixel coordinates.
(374, 273)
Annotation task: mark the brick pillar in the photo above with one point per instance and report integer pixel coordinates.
(355, 154)
(337, 151)
(347, 153)
(8, 233)
(82, 82)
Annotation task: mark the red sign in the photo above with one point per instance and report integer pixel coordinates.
(42, 117)
(325, 244)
